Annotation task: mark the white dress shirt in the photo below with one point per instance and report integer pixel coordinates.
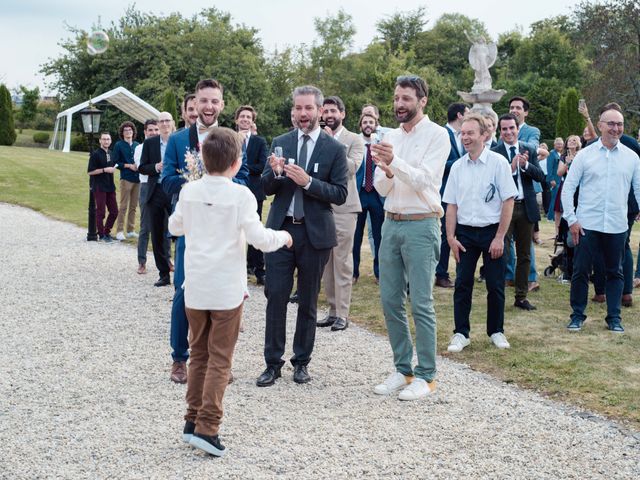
(137, 154)
(605, 178)
(218, 218)
(419, 157)
(311, 143)
(478, 188)
(516, 174)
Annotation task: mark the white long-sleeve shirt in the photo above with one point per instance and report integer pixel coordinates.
(419, 157)
(218, 218)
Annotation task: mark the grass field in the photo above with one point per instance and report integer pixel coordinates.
(594, 368)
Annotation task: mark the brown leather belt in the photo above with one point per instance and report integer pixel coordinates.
(408, 217)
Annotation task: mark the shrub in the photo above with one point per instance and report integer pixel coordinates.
(7, 129)
(41, 137)
(79, 143)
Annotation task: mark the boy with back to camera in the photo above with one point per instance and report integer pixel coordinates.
(217, 218)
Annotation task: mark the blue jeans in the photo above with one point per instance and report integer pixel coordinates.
(611, 247)
(372, 206)
(179, 323)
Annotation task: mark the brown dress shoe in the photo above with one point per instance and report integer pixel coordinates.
(444, 283)
(636, 283)
(509, 283)
(179, 372)
(599, 298)
(142, 269)
(627, 300)
(534, 286)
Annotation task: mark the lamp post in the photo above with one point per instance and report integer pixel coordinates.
(91, 124)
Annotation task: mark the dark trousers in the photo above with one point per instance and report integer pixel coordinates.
(442, 269)
(476, 241)
(599, 274)
(521, 230)
(108, 200)
(372, 205)
(159, 207)
(255, 257)
(179, 324)
(546, 196)
(611, 247)
(280, 264)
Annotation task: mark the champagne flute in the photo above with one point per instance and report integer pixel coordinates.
(277, 151)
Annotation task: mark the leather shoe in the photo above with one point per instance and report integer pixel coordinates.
(142, 269)
(162, 282)
(268, 377)
(509, 283)
(524, 305)
(339, 324)
(300, 374)
(599, 298)
(260, 279)
(327, 321)
(627, 300)
(534, 286)
(444, 283)
(179, 372)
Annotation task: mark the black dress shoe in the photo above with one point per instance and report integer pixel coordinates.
(268, 377)
(300, 374)
(524, 305)
(340, 324)
(327, 321)
(294, 297)
(163, 282)
(260, 279)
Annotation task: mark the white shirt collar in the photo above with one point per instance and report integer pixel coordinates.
(314, 134)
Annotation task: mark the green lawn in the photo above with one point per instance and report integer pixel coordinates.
(593, 368)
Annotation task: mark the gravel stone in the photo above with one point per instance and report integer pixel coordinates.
(85, 390)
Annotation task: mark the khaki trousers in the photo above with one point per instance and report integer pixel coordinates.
(213, 336)
(338, 273)
(129, 194)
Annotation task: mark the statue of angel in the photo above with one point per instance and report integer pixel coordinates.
(482, 56)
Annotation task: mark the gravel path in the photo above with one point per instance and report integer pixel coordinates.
(85, 393)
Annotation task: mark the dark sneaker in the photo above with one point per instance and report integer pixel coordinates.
(615, 327)
(187, 432)
(108, 239)
(208, 443)
(575, 325)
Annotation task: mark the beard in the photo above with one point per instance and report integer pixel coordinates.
(206, 121)
(367, 131)
(407, 116)
(309, 125)
(332, 123)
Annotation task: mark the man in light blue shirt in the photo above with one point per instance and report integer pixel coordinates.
(604, 171)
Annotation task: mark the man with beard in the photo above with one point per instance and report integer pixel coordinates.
(302, 207)
(189, 112)
(209, 104)
(338, 272)
(254, 148)
(410, 162)
(370, 200)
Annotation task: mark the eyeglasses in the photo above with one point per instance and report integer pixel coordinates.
(491, 193)
(613, 124)
(416, 82)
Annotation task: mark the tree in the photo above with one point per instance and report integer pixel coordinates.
(336, 38)
(29, 108)
(7, 130)
(570, 121)
(400, 30)
(169, 105)
(562, 122)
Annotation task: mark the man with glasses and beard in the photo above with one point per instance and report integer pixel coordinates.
(411, 162)
(209, 105)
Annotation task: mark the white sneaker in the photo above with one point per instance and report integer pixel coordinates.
(393, 383)
(120, 236)
(132, 235)
(417, 389)
(457, 343)
(499, 340)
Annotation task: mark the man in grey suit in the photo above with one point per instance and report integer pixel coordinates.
(315, 177)
(338, 273)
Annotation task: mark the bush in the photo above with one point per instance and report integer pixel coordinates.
(41, 137)
(79, 143)
(7, 130)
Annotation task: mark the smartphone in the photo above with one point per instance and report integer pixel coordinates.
(581, 104)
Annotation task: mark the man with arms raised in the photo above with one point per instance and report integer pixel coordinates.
(209, 104)
(301, 206)
(410, 166)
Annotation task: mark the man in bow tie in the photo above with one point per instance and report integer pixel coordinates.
(209, 105)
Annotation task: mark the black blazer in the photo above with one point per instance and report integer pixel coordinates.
(256, 160)
(328, 168)
(150, 156)
(533, 172)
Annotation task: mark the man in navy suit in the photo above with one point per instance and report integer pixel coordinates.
(370, 200)
(525, 170)
(255, 150)
(209, 104)
(455, 114)
(315, 173)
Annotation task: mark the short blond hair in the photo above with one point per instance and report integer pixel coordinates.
(476, 117)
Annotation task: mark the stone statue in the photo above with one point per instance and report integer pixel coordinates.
(482, 56)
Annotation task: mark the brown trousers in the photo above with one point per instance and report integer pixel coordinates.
(521, 229)
(129, 194)
(213, 338)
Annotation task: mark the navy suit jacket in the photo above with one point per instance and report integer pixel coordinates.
(328, 169)
(454, 155)
(173, 163)
(533, 172)
(257, 152)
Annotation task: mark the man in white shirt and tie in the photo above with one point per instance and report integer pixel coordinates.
(479, 197)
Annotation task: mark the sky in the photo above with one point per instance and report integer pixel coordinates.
(38, 26)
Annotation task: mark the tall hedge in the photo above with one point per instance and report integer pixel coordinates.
(569, 121)
(7, 125)
(169, 104)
